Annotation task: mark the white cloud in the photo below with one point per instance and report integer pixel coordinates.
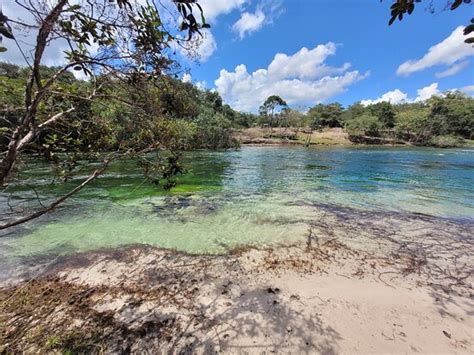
(248, 23)
(394, 97)
(467, 89)
(53, 54)
(427, 92)
(207, 46)
(452, 70)
(214, 8)
(266, 12)
(187, 78)
(449, 51)
(297, 84)
(26, 37)
(397, 96)
(200, 48)
(306, 63)
(201, 85)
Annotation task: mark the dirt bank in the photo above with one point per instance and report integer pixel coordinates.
(278, 135)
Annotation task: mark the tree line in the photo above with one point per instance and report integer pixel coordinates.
(444, 120)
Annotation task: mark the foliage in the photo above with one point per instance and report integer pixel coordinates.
(293, 118)
(270, 108)
(326, 115)
(447, 141)
(384, 112)
(364, 125)
(110, 42)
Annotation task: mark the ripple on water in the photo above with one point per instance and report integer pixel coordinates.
(251, 196)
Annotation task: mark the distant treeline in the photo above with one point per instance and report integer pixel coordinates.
(181, 116)
(444, 120)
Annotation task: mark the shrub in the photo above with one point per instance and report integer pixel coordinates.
(446, 141)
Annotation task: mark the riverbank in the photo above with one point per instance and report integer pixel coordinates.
(290, 135)
(327, 136)
(359, 283)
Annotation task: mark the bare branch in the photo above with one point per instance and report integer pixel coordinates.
(49, 208)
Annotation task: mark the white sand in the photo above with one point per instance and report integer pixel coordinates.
(289, 300)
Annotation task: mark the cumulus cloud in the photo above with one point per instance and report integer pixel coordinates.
(306, 63)
(448, 52)
(248, 23)
(397, 96)
(302, 78)
(452, 70)
(427, 92)
(394, 97)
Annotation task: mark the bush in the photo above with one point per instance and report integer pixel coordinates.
(447, 141)
(364, 125)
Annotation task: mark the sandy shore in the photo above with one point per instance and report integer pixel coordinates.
(332, 294)
(362, 282)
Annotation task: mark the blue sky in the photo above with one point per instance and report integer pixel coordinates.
(311, 51)
(351, 31)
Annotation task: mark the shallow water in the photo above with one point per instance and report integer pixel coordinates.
(256, 195)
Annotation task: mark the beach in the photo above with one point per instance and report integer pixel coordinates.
(339, 292)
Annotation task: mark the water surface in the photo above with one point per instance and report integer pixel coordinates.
(256, 195)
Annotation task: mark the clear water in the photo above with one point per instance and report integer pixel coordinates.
(256, 195)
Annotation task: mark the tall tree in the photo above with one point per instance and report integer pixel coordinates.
(272, 105)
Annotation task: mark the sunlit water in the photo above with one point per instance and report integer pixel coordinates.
(256, 195)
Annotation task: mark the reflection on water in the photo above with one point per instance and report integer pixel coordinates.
(231, 198)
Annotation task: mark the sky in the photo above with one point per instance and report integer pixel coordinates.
(320, 51)
(311, 51)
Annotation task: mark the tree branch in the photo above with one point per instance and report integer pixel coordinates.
(47, 209)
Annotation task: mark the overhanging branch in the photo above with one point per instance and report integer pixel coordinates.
(50, 207)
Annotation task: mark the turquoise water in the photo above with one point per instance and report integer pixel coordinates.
(256, 195)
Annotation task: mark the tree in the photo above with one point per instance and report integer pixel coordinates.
(400, 8)
(413, 124)
(271, 106)
(326, 115)
(454, 114)
(384, 112)
(364, 125)
(123, 40)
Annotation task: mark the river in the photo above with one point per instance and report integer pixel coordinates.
(255, 195)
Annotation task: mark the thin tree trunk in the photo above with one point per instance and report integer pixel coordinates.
(27, 127)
